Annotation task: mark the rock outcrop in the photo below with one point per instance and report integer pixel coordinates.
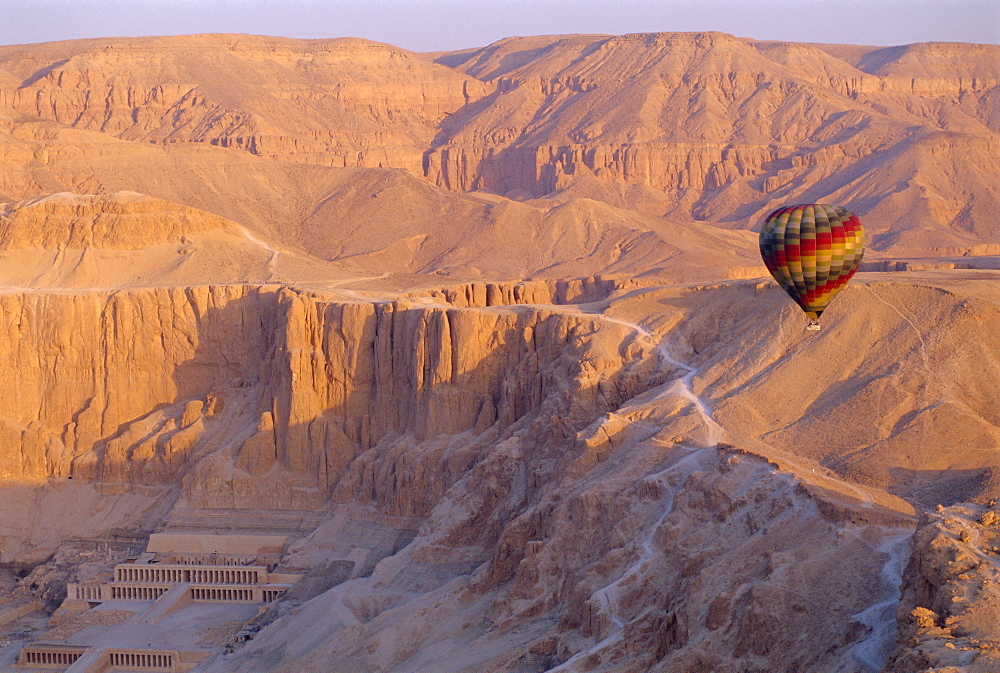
(949, 612)
(122, 221)
(560, 471)
(91, 364)
(284, 389)
(729, 128)
(695, 565)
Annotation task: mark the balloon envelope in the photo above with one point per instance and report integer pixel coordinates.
(812, 250)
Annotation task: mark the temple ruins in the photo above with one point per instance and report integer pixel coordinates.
(197, 579)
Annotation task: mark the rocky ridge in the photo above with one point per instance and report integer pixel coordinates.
(701, 127)
(950, 596)
(341, 102)
(124, 220)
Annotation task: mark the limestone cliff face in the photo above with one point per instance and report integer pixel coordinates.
(344, 102)
(351, 384)
(94, 368)
(126, 221)
(276, 391)
(539, 485)
(697, 126)
(728, 127)
(536, 468)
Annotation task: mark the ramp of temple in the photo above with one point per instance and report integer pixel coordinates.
(260, 522)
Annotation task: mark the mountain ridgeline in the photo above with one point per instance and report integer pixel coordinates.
(698, 127)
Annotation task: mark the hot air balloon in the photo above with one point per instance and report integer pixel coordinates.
(812, 250)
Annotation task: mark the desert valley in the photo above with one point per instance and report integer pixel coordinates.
(327, 356)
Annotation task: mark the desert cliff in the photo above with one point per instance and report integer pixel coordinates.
(703, 127)
(490, 329)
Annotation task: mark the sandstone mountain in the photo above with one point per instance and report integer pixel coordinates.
(733, 128)
(701, 127)
(494, 322)
(343, 102)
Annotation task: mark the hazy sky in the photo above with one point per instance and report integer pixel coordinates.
(429, 25)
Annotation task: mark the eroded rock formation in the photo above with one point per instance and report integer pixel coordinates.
(479, 318)
(951, 598)
(701, 126)
(314, 382)
(573, 508)
(342, 102)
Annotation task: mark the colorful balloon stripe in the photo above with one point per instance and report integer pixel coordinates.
(812, 250)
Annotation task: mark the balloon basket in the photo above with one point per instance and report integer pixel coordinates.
(813, 326)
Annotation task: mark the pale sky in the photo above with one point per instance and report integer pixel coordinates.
(432, 25)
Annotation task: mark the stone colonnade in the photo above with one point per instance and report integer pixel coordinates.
(48, 658)
(143, 661)
(137, 593)
(190, 574)
(224, 594)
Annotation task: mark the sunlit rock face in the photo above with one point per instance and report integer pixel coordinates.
(561, 473)
(697, 126)
(486, 335)
(341, 102)
(157, 373)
